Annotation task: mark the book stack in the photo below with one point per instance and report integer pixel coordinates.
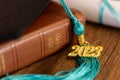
(49, 33)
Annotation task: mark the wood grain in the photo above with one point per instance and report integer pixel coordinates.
(96, 34)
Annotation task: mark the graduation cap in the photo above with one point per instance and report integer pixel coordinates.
(16, 15)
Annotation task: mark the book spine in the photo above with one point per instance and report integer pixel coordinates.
(36, 46)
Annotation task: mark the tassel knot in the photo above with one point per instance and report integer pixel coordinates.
(78, 28)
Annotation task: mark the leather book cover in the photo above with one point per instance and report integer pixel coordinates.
(49, 33)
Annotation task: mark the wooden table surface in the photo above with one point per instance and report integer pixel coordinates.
(96, 34)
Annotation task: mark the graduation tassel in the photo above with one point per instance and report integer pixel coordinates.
(86, 55)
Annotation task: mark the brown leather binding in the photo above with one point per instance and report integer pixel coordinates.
(51, 32)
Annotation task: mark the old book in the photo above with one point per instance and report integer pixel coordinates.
(48, 34)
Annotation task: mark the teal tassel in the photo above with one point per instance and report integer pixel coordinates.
(78, 27)
(87, 67)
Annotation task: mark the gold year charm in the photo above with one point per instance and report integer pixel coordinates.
(84, 49)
